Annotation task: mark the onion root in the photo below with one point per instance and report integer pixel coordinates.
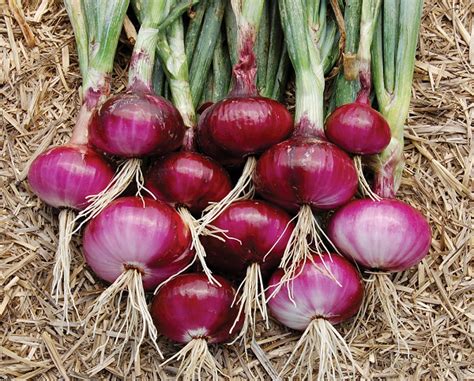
(322, 343)
(196, 359)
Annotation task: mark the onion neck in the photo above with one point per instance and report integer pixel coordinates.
(244, 73)
(369, 15)
(305, 56)
(173, 55)
(396, 38)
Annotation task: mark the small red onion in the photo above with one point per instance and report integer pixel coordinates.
(64, 176)
(188, 179)
(259, 234)
(327, 290)
(136, 123)
(134, 233)
(388, 235)
(189, 309)
(358, 128)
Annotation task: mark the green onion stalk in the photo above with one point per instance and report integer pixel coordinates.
(393, 60)
(79, 169)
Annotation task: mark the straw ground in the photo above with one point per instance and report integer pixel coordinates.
(39, 79)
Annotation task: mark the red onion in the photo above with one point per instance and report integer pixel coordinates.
(187, 179)
(327, 290)
(358, 128)
(135, 244)
(243, 125)
(387, 235)
(259, 234)
(136, 123)
(189, 309)
(64, 176)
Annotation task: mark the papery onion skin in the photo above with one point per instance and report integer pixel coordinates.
(145, 234)
(316, 294)
(387, 235)
(188, 179)
(242, 126)
(136, 123)
(190, 307)
(306, 171)
(255, 228)
(358, 128)
(64, 176)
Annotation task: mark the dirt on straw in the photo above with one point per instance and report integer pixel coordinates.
(39, 81)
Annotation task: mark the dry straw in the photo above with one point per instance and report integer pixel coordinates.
(39, 79)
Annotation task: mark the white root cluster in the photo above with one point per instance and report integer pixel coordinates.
(250, 297)
(196, 244)
(62, 263)
(244, 189)
(130, 169)
(132, 324)
(197, 362)
(321, 344)
(364, 186)
(380, 289)
(305, 240)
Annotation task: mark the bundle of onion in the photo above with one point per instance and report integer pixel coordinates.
(191, 310)
(387, 235)
(327, 291)
(258, 234)
(186, 179)
(65, 176)
(305, 172)
(136, 123)
(243, 124)
(135, 244)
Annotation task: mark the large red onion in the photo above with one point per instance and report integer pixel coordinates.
(327, 290)
(306, 171)
(190, 309)
(134, 233)
(136, 123)
(387, 235)
(136, 244)
(241, 126)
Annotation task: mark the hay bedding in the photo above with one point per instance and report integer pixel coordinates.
(38, 103)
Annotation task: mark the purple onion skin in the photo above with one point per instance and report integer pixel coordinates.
(134, 124)
(358, 128)
(189, 307)
(317, 295)
(258, 226)
(386, 235)
(308, 171)
(188, 179)
(242, 126)
(64, 176)
(147, 234)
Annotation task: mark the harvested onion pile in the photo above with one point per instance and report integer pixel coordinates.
(220, 201)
